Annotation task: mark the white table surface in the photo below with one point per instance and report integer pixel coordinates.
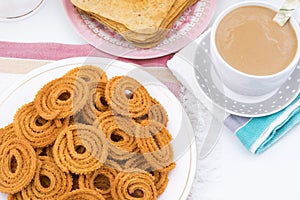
(241, 176)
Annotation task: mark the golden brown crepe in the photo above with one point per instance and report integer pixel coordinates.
(142, 23)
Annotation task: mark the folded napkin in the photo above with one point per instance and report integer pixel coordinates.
(257, 134)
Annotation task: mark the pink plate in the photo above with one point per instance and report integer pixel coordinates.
(186, 29)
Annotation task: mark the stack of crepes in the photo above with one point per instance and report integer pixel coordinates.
(144, 23)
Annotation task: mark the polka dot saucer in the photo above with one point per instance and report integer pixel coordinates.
(233, 103)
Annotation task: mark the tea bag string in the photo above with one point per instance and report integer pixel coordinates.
(286, 11)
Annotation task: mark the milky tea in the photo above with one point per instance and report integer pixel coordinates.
(249, 40)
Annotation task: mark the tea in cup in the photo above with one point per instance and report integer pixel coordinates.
(251, 53)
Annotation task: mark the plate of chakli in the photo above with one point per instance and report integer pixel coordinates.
(139, 29)
(90, 161)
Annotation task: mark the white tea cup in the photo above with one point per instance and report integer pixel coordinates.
(242, 82)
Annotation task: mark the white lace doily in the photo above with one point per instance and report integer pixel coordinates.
(208, 167)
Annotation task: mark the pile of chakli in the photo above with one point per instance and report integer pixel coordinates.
(85, 136)
(144, 23)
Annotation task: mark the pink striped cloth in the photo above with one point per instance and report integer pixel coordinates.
(57, 51)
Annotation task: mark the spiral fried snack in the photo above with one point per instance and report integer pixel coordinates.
(168, 168)
(119, 132)
(45, 151)
(157, 148)
(161, 181)
(134, 185)
(18, 163)
(49, 182)
(117, 165)
(96, 103)
(156, 113)
(82, 194)
(80, 149)
(118, 154)
(128, 97)
(109, 122)
(61, 98)
(16, 196)
(7, 133)
(36, 130)
(137, 162)
(88, 73)
(99, 97)
(100, 180)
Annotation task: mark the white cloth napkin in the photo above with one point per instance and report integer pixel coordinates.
(207, 121)
(182, 68)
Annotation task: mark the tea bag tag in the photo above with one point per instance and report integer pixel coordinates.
(286, 11)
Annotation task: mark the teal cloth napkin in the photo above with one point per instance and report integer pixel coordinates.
(257, 134)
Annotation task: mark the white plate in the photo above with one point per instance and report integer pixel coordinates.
(181, 178)
(247, 106)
